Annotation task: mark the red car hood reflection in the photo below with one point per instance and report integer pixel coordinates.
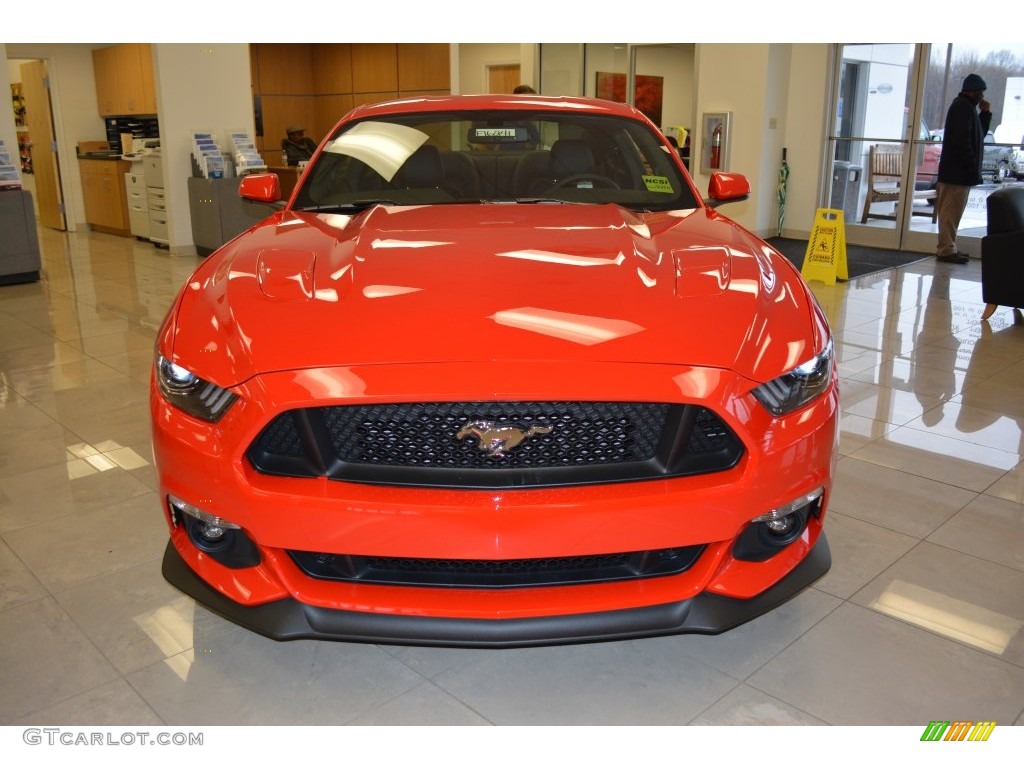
(492, 282)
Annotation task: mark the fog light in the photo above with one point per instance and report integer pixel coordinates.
(211, 532)
(214, 526)
(769, 533)
(786, 510)
(221, 539)
(780, 526)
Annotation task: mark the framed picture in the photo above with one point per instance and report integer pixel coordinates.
(648, 95)
(714, 141)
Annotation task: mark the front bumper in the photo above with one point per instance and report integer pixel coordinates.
(289, 619)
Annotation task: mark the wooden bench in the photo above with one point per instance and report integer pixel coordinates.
(885, 169)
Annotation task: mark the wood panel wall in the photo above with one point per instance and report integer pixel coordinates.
(315, 84)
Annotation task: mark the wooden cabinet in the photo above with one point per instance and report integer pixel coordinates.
(103, 190)
(314, 84)
(124, 79)
(108, 86)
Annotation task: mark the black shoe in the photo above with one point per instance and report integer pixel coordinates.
(954, 258)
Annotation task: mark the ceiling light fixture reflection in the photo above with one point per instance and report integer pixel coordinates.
(581, 329)
(383, 291)
(169, 626)
(952, 618)
(336, 220)
(564, 258)
(382, 146)
(83, 459)
(407, 243)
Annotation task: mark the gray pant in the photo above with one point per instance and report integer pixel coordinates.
(951, 203)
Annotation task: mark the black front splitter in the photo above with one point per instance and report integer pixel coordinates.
(288, 619)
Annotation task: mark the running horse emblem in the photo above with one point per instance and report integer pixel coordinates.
(496, 439)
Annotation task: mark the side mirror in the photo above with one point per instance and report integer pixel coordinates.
(260, 188)
(727, 188)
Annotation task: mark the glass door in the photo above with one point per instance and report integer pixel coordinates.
(1001, 66)
(877, 178)
(885, 138)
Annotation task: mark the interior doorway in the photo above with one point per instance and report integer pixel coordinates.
(35, 84)
(502, 78)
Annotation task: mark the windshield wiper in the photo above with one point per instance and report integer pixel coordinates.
(524, 201)
(351, 207)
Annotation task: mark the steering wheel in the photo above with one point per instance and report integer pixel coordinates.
(597, 178)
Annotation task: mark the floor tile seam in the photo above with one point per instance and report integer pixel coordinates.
(60, 597)
(746, 679)
(714, 703)
(976, 443)
(797, 707)
(934, 633)
(143, 491)
(965, 371)
(984, 558)
(903, 623)
(83, 692)
(424, 681)
(117, 673)
(1020, 457)
(124, 677)
(875, 523)
(1018, 468)
(38, 598)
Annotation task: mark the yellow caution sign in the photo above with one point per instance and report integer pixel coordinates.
(825, 259)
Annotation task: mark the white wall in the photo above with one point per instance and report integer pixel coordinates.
(805, 115)
(200, 86)
(474, 58)
(675, 64)
(784, 83)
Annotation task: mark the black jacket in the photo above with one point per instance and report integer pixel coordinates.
(963, 143)
(298, 150)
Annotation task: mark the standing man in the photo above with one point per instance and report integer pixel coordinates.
(963, 140)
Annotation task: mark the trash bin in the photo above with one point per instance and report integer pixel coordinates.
(845, 189)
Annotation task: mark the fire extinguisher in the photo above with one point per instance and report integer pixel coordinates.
(716, 146)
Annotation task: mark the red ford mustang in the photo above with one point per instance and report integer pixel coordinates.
(494, 376)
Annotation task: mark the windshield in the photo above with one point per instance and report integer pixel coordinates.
(495, 156)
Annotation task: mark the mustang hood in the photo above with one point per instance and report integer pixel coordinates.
(490, 283)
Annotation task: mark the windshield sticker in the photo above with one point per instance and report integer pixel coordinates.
(658, 184)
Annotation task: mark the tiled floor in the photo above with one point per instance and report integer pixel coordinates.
(920, 618)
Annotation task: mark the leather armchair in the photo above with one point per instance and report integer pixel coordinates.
(1002, 251)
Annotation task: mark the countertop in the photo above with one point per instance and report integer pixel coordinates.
(102, 155)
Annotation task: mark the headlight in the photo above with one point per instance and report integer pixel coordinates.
(798, 387)
(197, 397)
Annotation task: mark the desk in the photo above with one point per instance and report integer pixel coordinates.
(219, 213)
(289, 176)
(20, 260)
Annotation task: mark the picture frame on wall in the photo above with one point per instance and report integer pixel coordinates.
(648, 94)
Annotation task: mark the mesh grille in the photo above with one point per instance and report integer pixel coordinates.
(496, 444)
(547, 571)
(563, 434)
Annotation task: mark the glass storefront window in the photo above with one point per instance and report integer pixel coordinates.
(1001, 66)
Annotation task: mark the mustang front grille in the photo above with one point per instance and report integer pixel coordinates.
(538, 572)
(496, 444)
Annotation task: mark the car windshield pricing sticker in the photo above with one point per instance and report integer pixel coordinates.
(658, 184)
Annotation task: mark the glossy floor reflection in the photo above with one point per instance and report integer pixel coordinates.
(921, 617)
